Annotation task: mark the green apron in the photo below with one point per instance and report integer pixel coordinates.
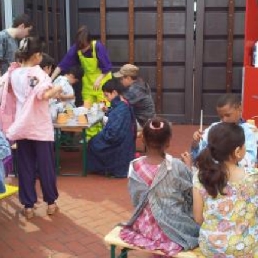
(91, 73)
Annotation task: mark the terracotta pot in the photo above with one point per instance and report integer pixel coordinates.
(82, 119)
(62, 118)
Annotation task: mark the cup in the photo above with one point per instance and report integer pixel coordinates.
(69, 113)
(62, 118)
(82, 119)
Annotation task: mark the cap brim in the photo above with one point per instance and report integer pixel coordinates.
(118, 74)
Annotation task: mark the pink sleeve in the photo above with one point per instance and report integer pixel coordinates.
(44, 83)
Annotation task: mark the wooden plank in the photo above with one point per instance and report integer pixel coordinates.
(229, 69)
(198, 82)
(159, 46)
(189, 62)
(103, 21)
(45, 14)
(131, 30)
(113, 238)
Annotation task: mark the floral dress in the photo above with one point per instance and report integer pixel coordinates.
(230, 227)
(146, 232)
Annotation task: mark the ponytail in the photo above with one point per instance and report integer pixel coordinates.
(212, 174)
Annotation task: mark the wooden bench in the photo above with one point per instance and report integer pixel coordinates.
(113, 239)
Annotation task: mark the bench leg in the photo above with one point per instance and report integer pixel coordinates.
(123, 253)
(113, 251)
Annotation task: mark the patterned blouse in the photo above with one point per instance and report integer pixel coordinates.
(230, 227)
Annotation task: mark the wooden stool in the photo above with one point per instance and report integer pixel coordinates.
(113, 239)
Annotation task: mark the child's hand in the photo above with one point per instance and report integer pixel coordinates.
(104, 109)
(187, 159)
(197, 136)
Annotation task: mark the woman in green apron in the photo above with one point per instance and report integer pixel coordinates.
(92, 56)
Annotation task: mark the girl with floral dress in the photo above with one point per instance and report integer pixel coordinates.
(226, 196)
(161, 191)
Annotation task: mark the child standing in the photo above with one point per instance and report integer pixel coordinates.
(226, 196)
(161, 190)
(32, 128)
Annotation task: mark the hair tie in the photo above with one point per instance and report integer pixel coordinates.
(23, 47)
(157, 128)
(215, 161)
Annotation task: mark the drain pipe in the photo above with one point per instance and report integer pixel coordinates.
(68, 27)
(8, 13)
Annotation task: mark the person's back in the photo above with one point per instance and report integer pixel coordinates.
(226, 196)
(161, 192)
(8, 40)
(137, 92)
(139, 96)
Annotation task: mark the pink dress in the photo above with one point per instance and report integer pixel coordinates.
(145, 231)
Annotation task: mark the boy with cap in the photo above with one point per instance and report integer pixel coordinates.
(137, 93)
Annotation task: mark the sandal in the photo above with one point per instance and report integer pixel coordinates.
(28, 213)
(52, 208)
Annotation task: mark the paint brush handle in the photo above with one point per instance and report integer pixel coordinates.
(201, 120)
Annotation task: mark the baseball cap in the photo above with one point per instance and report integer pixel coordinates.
(127, 70)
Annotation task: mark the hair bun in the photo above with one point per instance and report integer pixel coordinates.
(156, 125)
(23, 47)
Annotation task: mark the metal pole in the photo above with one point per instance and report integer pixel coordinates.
(68, 27)
(8, 10)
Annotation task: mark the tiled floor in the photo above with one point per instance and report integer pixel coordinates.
(89, 208)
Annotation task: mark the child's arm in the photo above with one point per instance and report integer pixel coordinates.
(53, 92)
(197, 206)
(64, 97)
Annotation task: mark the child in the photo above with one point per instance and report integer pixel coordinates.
(161, 191)
(112, 149)
(137, 93)
(5, 151)
(226, 196)
(93, 57)
(66, 81)
(229, 110)
(66, 99)
(32, 128)
(47, 63)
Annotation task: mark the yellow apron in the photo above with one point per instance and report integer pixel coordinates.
(91, 73)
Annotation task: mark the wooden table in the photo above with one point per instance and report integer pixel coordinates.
(73, 126)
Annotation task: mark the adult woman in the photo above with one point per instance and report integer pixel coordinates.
(92, 56)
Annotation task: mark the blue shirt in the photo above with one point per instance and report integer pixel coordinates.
(250, 144)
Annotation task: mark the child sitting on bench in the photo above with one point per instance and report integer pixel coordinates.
(161, 191)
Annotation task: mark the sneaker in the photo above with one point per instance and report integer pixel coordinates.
(52, 208)
(28, 213)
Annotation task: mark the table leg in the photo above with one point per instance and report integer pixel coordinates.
(57, 149)
(84, 152)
